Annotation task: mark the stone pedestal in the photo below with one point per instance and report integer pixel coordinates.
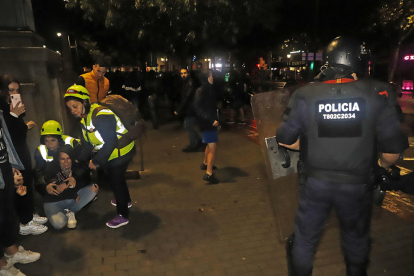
(16, 15)
(39, 71)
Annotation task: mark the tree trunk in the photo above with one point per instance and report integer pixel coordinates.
(396, 54)
(394, 62)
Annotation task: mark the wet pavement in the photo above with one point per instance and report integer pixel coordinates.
(179, 225)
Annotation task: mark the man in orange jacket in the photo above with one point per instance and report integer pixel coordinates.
(95, 81)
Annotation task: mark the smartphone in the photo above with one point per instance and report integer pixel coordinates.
(15, 98)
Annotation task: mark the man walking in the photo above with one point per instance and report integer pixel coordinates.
(205, 103)
(186, 109)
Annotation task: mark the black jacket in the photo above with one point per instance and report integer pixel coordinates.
(205, 104)
(18, 133)
(80, 173)
(186, 107)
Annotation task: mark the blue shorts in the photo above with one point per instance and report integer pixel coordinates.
(210, 137)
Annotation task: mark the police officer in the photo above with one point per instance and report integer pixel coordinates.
(339, 124)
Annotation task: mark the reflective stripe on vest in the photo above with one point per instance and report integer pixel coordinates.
(94, 137)
(69, 140)
(44, 152)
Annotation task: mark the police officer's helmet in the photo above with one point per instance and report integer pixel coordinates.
(346, 52)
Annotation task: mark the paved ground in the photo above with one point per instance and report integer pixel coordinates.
(181, 226)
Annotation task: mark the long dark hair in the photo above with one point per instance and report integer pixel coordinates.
(5, 81)
(85, 103)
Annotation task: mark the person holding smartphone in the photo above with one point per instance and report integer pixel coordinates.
(13, 112)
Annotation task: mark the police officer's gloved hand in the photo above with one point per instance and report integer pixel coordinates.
(390, 178)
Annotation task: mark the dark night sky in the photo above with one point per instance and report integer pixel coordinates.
(325, 19)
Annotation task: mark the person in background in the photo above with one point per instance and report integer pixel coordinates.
(30, 223)
(132, 87)
(238, 98)
(153, 87)
(95, 81)
(205, 104)
(186, 109)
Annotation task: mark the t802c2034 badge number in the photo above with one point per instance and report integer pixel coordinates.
(339, 116)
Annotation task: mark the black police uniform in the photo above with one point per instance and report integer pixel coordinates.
(341, 124)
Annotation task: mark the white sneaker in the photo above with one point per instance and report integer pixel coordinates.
(23, 256)
(10, 270)
(71, 219)
(33, 228)
(39, 219)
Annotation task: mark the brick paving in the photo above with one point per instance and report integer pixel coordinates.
(234, 234)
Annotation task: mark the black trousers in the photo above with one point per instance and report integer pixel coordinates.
(8, 220)
(353, 205)
(24, 205)
(117, 180)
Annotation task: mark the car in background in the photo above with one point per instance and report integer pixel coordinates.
(407, 85)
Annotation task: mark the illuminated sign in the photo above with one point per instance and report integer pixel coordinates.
(295, 63)
(409, 57)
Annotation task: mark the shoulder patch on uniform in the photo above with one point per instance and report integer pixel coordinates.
(384, 93)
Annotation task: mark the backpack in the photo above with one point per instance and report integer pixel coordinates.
(129, 116)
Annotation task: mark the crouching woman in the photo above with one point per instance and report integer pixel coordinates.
(68, 189)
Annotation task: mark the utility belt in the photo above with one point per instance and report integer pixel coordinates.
(351, 177)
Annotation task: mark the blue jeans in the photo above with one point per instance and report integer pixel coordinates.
(55, 211)
(189, 125)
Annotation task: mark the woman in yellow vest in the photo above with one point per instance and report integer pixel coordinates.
(101, 129)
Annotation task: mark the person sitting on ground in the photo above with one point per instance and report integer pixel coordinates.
(50, 140)
(68, 189)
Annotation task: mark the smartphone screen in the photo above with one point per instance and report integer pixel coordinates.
(15, 98)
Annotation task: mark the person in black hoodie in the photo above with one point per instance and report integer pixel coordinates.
(205, 104)
(66, 188)
(30, 223)
(186, 109)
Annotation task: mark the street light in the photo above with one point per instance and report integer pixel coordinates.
(59, 34)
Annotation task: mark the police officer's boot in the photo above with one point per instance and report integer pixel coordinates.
(356, 269)
(292, 270)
